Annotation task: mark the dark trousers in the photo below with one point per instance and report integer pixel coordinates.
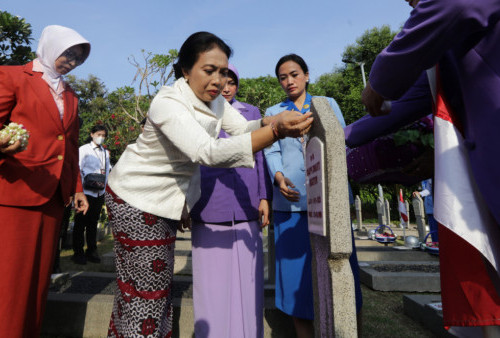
(62, 240)
(87, 223)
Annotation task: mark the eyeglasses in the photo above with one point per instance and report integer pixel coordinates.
(72, 56)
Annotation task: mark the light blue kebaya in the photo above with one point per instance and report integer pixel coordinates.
(286, 156)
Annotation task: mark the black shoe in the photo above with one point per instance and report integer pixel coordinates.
(93, 257)
(79, 259)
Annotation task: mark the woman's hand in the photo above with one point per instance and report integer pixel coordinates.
(292, 123)
(373, 101)
(284, 183)
(264, 212)
(9, 149)
(185, 222)
(81, 203)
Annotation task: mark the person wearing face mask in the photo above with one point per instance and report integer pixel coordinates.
(94, 159)
(38, 181)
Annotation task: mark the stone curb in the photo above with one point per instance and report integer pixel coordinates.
(371, 254)
(400, 281)
(87, 315)
(415, 307)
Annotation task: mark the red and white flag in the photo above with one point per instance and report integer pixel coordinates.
(402, 207)
(458, 204)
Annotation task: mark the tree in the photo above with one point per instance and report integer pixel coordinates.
(122, 110)
(157, 71)
(345, 83)
(261, 92)
(368, 46)
(15, 37)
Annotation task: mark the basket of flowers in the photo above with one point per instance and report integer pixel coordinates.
(430, 246)
(384, 234)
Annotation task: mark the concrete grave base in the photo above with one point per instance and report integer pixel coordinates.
(387, 253)
(401, 276)
(83, 308)
(416, 307)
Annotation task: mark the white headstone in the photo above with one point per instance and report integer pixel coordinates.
(357, 206)
(315, 186)
(418, 210)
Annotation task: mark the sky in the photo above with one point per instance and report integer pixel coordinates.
(258, 31)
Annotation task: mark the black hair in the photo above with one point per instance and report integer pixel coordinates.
(194, 45)
(233, 76)
(295, 58)
(143, 121)
(99, 127)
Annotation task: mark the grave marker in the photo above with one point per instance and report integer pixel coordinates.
(418, 209)
(315, 186)
(387, 211)
(357, 207)
(333, 283)
(382, 219)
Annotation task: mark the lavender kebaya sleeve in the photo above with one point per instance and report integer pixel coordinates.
(413, 105)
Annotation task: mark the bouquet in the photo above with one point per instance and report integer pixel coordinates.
(17, 132)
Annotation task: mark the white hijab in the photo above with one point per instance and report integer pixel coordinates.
(53, 42)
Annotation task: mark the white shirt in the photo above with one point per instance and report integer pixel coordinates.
(159, 172)
(93, 159)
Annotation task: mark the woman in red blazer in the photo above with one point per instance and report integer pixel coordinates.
(36, 183)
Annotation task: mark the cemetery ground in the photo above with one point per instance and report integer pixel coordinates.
(104, 246)
(382, 315)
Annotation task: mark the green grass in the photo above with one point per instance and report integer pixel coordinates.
(383, 316)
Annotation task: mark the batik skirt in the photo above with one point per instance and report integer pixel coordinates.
(144, 257)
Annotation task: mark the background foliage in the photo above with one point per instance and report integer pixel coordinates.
(122, 110)
(15, 39)
(262, 92)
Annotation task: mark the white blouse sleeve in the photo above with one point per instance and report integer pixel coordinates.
(234, 123)
(175, 120)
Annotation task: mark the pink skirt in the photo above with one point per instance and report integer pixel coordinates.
(228, 280)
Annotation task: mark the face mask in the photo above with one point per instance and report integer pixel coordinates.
(98, 140)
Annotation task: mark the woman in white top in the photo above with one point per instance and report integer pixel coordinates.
(157, 179)
(93, 159)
